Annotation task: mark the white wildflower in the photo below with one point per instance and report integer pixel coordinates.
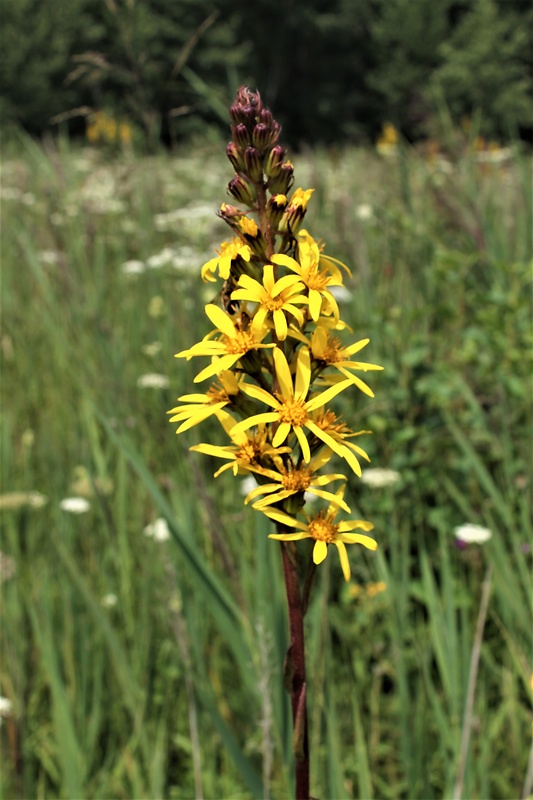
(472, 534)
(248, 485)
(8, 567)
(14, 500)
(109, 600)
(364, 212)
(6, 707)
(75, 505)
(50, 257)
(151, 349)
(153, 380)
(158, 530)
(377, 478)
(133, 267)
(161, 259)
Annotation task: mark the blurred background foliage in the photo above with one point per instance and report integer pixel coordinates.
(171, 67)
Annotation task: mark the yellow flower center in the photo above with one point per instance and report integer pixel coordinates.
(333, 351)
(293, 411)
(240, 343)
(322, 528)
(252, 450)
(316, 280)
(272, 303)
(297, 480)
(217, 394)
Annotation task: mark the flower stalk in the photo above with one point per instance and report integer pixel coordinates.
(276, 361)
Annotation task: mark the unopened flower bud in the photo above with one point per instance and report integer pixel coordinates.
(241, 135)
(235, 156)
(252, 235)
(274, 161)
(295, 212)
(282, 182)
(242, 190)
(253, 166)
(265, 117)
(275, 208)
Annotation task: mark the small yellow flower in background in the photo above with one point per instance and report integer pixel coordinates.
(325, 531)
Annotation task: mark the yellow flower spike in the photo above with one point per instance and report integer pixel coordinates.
(231, 347)
(274, 298)
(229, 251)
(291, 409)
(325, 531)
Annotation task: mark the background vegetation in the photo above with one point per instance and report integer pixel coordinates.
(144, 668)
(334, 70)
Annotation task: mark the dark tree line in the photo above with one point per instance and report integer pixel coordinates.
(333, 70)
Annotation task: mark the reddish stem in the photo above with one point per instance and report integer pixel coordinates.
(298, 686)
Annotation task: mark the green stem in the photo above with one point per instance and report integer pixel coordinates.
(297, 680)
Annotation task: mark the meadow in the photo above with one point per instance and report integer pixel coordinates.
(144, 629)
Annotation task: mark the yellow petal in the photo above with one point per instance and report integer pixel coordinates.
(283, 373)
(358, 538)
(281, 434)
(303, 374)
(315, 304)
(324, 397)
(269, 416)
(220, 320)
(345, 564)
(304, 444)
(320, 551)
(280, 323)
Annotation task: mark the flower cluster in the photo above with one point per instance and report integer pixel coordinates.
(275, 357)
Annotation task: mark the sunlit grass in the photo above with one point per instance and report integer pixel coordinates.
(173, 690)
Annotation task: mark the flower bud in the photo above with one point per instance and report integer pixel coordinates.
(265, 117)
(275, 208)
(242, 190)
(235, 156)
(295, 212)
(274, 161)
(253, 166)
(241, 136)
(282, 182)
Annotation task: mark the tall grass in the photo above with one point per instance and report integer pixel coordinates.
(139, 668)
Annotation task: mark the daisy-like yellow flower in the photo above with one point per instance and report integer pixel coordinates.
(229, 251)
(247, 451)
(289, 480)
(326, 261)
(201, 406)
(329, 350)
(274, 298)
(316, 279)
(231, 347)
(334, 432)
(324, 530)
(291, 409)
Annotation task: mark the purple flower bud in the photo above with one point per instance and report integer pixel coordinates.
(235, 156)
(241, 136)
(242, 190)
(253, 166)
(282, 182)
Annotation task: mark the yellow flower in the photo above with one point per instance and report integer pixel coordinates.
(290, 480)
(201, 406)
(324, 530)
(337, 432)
(229, 251)
(295, 211)
(291, 409)
(234, 343)
(274, 298)
(246, 452)
(330, 351)
(316, 279)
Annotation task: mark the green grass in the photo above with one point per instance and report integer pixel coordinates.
(175, 691)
